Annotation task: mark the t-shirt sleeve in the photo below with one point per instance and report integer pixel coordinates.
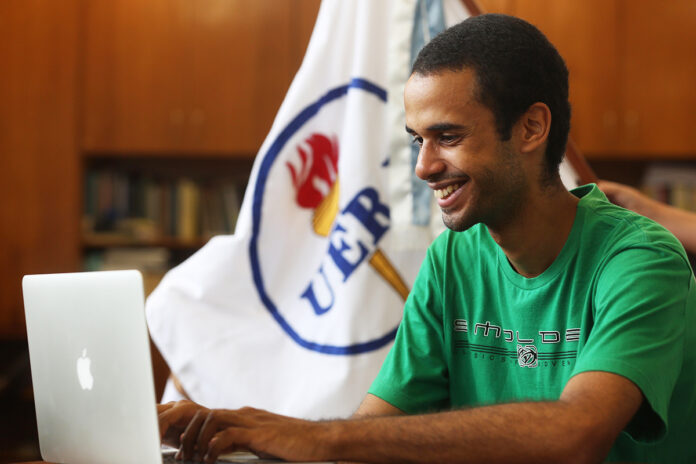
(639, 328)
(414, 376)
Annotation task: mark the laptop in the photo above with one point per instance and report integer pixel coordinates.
(91, 369)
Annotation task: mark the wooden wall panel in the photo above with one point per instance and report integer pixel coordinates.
(136, 71)
(302, 19)
(241, 62)
(175, 76)
(497, 6)
(585, 34)
(39, 182)
(632, 67)
(658, 72)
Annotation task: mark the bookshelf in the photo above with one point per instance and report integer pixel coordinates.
(152, 212)
(177, 97)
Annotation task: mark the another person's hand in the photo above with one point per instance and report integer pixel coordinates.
(680, 222)
(629, 198)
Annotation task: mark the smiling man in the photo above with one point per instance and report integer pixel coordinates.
(544, 326)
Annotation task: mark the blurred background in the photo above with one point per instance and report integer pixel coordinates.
(128, 129)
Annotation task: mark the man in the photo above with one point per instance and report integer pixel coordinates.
(545, 326)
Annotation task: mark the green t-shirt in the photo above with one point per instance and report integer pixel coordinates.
(619, 297)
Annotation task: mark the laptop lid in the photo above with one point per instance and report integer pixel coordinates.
(91, 368)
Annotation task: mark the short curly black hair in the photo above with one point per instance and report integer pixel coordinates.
(515, 66)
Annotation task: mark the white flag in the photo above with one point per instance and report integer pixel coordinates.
(296, 311)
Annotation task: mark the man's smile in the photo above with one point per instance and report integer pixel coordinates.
(446, 191)
(447, 194)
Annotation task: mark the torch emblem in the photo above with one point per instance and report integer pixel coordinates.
(317, 186)
(316, 181)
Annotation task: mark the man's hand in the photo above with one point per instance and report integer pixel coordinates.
(173, 419)
(209, 433)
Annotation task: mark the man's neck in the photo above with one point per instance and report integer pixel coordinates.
(534, 239)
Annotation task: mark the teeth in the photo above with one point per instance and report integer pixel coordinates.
(447, 191)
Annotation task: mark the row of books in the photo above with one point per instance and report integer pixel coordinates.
(142, 207)
(152, 262)
(675, 185)
(145, 259)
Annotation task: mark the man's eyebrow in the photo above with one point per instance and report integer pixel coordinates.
(447, 126)
(441, 127)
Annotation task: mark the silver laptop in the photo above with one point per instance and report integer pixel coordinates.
(90, 365)
(91, 369)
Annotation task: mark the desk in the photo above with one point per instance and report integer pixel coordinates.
(44, 462)
(235, 457)
(231, 462)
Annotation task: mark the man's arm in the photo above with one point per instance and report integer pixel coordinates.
(373, 406)
(578, 428)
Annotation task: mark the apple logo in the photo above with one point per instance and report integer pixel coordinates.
(84, 373)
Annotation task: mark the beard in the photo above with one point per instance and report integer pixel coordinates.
(496, 197)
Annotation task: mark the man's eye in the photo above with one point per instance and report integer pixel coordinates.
(417, 141)
(449, 139)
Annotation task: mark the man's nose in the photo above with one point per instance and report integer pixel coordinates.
(428, 162)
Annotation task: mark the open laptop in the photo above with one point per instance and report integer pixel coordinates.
(91, 369)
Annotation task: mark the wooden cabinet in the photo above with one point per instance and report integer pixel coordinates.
(39, 178)
(657, 47)
(176, 76)
(134, 74)
(632, 66)
(167, 78)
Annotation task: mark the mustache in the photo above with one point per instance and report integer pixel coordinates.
(443, 177)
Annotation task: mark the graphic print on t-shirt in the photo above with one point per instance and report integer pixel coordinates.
(524, 350)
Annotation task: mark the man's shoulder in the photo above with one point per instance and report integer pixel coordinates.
(608, 226)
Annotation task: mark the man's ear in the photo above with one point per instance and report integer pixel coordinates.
(534, 126)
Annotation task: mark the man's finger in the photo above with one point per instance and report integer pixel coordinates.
(173, 416)
(188, 438)
(165, 406)
(164, 420)
(210, 427)
(226, 441)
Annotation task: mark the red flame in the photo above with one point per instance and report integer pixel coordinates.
(318, 172)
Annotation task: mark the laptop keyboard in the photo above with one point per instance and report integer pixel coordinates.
(168, 458)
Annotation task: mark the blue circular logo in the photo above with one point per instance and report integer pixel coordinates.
(270, 157)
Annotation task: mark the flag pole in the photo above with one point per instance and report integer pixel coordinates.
(573, 154)
(472, 7)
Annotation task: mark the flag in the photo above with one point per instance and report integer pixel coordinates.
(295, 312)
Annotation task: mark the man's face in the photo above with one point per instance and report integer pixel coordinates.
(475, 177)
